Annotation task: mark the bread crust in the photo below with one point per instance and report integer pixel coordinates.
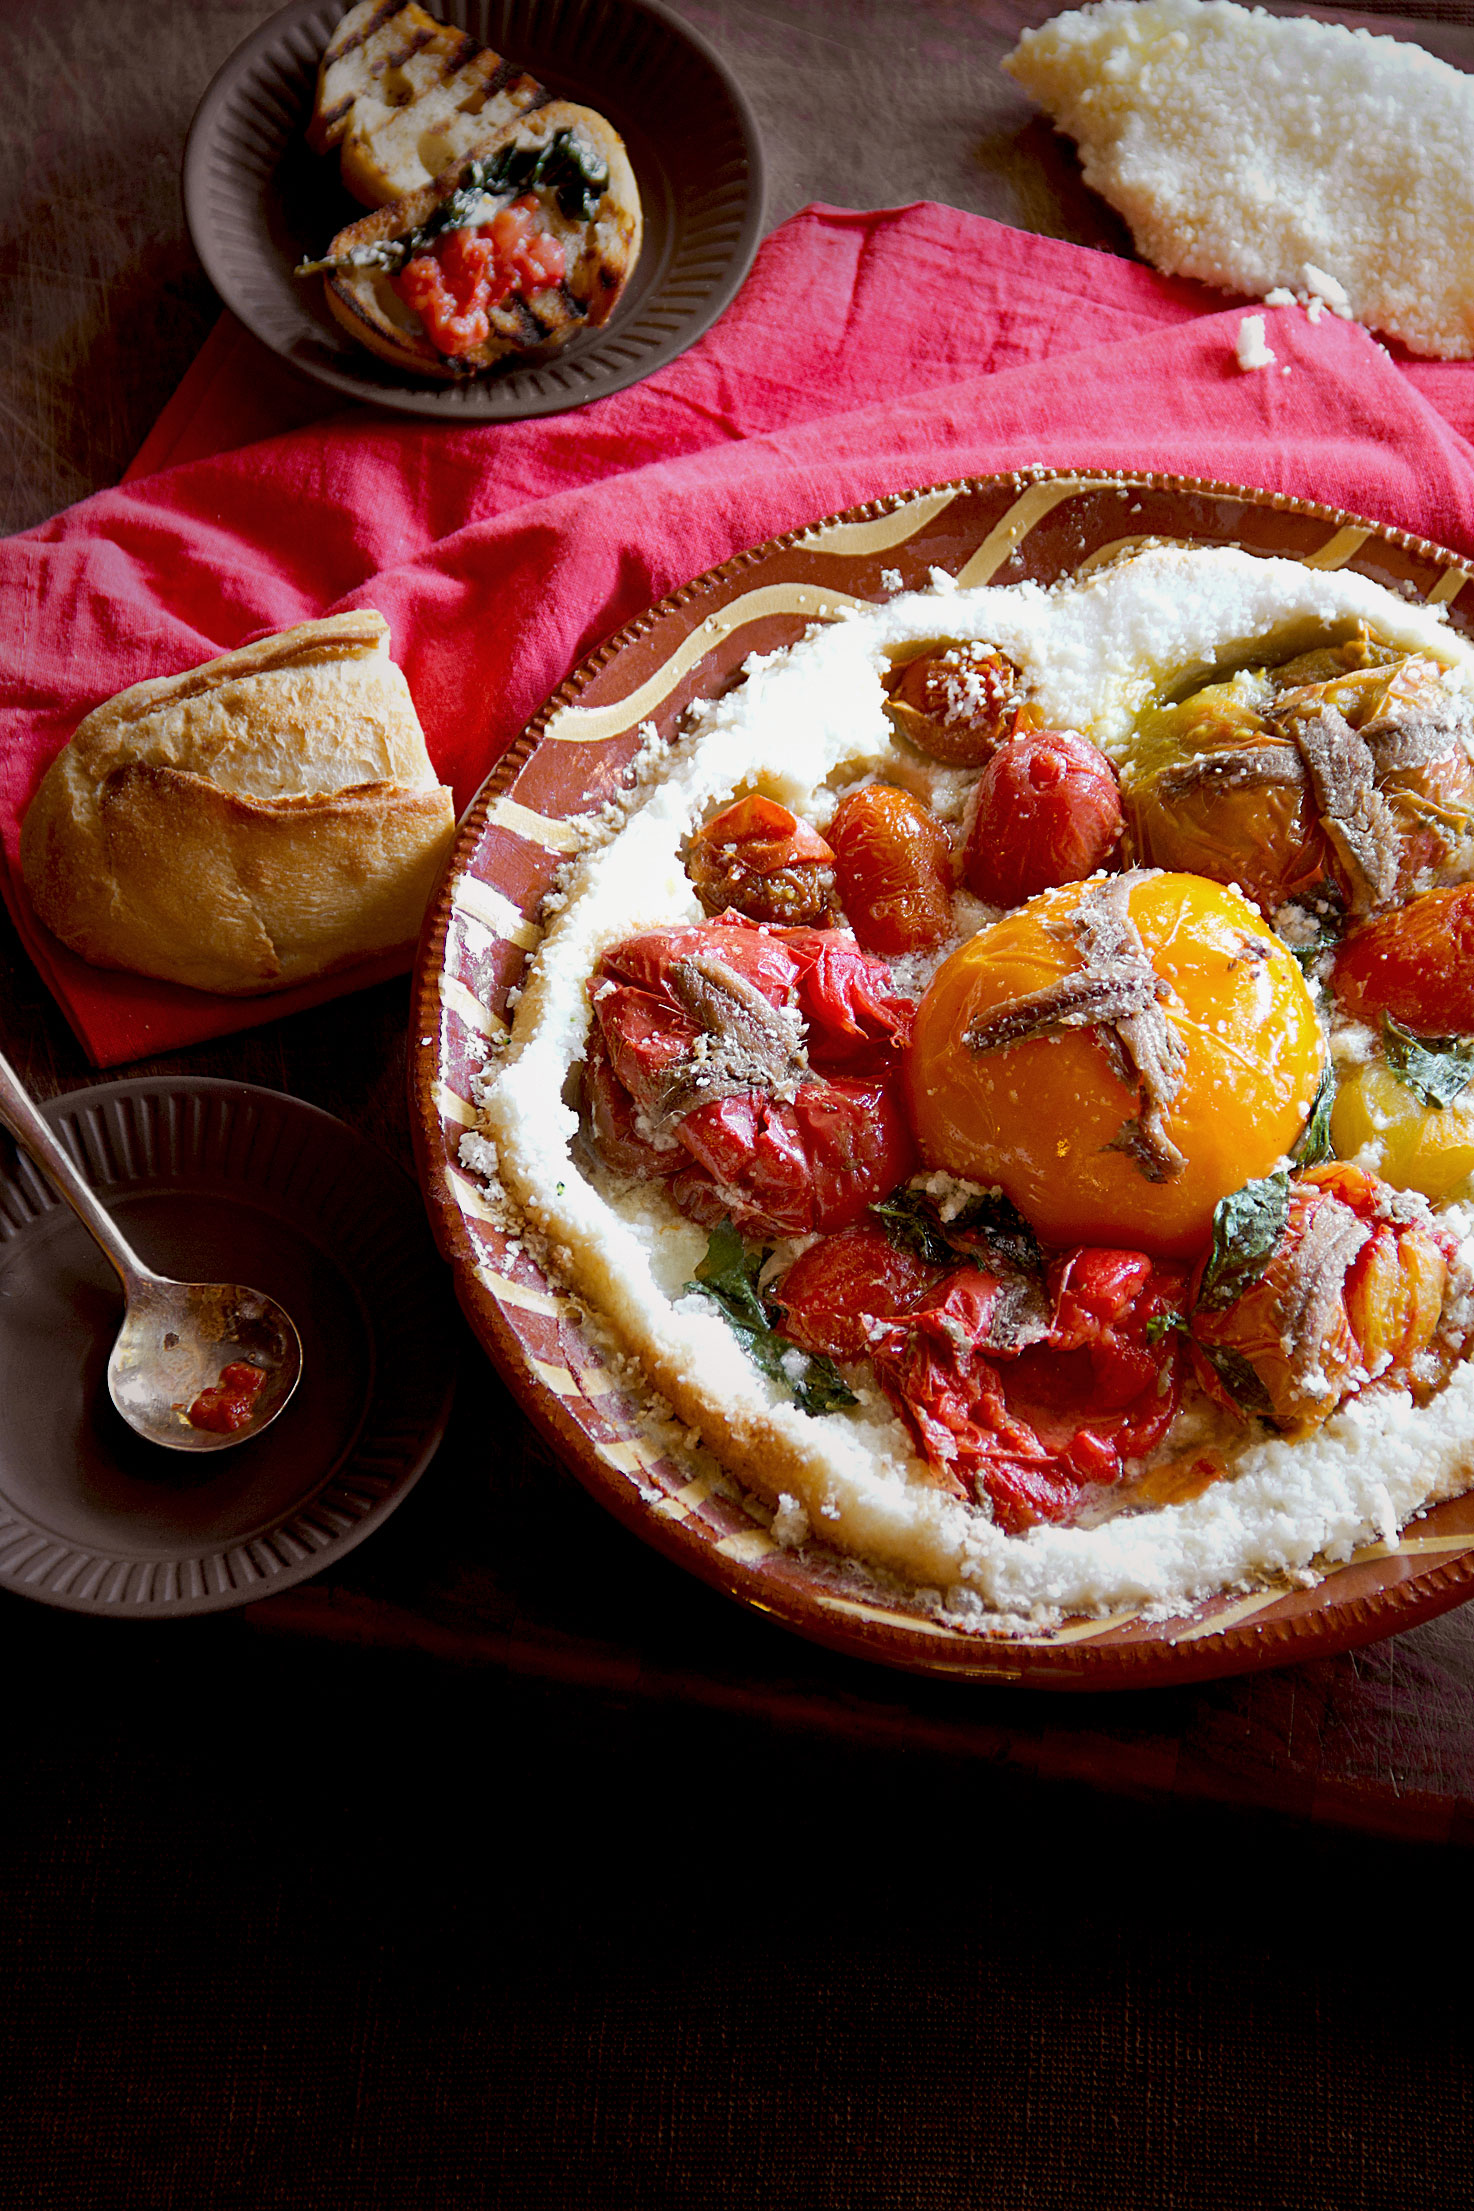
(602, 252)
(405, 96)
(246, 825)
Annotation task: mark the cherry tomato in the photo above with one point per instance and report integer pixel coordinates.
(893, 861)
(854, 1021)
(956, 703)
(819, 1163)
(1416, 963)
(832, 1293)
(1027, 1427)
(757, 857)
(1048, 812)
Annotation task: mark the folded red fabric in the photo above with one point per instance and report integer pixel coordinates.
(866, 354)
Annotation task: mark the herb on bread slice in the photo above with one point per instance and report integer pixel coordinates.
(406, 96)
(568, 161)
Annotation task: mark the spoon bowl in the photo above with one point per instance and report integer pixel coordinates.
(197, 1366)
(184, 1344)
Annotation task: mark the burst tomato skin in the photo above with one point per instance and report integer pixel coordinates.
(1048, 812)
(758, 859)
(1028, 1428)
(840, 1285)
(855, 1020)
(611, 1109)
(893, 864)
(1416, 963)
(814, 1162)
(815, 1165)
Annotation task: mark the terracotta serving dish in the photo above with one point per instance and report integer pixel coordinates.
(1039, 525)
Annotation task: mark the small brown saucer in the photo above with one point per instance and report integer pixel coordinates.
(258, 201)
(212, 1180)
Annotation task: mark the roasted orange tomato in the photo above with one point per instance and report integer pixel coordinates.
(893, 864)
(1050, 1117)
(1416, 963)
(757, 858)
(1349, 1294)
(1048, 812)
(956, 702)
(1227, 797)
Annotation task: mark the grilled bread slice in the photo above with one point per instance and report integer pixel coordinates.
(566, 158)
(406, 96)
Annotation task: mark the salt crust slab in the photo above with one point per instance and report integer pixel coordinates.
(806, 721)
(1262, 153)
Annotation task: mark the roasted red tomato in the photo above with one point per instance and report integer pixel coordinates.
(855, 1021)
(758, 859)
(463, 274)
(611, 1114)
(1028, 1420)
(1048, 812)
(893, 864)
(841, 1285)
(818, 1163)
(757, 1068)
(1416, 963)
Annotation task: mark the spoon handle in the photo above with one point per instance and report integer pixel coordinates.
(46, 1150)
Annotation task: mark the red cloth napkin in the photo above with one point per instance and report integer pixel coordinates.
(867, 353)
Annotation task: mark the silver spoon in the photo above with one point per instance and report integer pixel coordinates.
(177, 1338)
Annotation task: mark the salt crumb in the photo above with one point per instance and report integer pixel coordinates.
(790, 1523)
(1251, 349)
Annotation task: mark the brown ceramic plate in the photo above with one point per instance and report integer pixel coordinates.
(478, 933)
(212, 1181)
(258, 201)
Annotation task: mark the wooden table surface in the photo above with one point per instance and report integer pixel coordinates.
(498, 1561)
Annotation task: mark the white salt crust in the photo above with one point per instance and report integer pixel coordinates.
(1274, 155)
(806, 722)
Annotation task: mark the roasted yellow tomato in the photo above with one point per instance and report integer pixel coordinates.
(1378, 1122)
(1050, 1118)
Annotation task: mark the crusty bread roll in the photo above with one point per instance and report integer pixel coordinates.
(268, 817)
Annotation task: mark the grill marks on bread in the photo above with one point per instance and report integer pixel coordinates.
(405, 95)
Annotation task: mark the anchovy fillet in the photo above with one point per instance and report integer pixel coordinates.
(746, 1042)
(1118, 993)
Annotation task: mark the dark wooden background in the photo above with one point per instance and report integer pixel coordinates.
(505, 1866)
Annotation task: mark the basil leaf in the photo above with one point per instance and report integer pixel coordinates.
(1247, 1227)
(1435, 1068)
(728, 1275)
(1325, 908)
(1315, 1143)
(1163, 1325)
(823, 1389)
(910, 1220)
(990, 1226)
(570, 169)
(1239, 1379)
